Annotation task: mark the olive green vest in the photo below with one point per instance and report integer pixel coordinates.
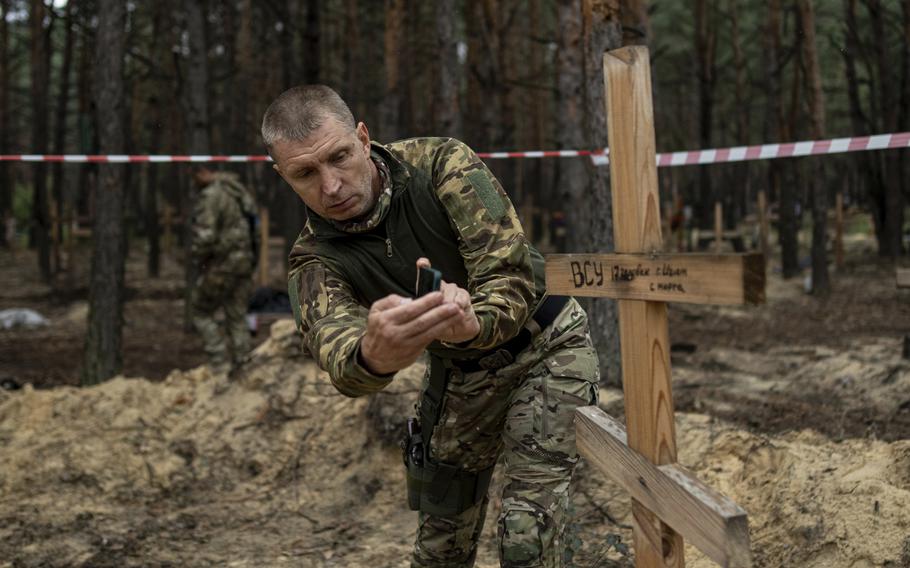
(382, 261)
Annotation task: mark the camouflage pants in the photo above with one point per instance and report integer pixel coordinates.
(525, 412)
(226, 344)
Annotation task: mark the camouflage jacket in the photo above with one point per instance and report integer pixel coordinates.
(222, 241)
(498, 267)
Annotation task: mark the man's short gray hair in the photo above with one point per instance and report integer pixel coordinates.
(300, 110)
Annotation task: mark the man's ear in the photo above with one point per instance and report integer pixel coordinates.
(363, 134)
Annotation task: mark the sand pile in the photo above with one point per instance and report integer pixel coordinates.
(275, 468)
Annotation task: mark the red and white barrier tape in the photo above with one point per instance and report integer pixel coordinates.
(696, 157)
(123, 159)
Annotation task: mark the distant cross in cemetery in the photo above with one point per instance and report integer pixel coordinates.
(668, 502)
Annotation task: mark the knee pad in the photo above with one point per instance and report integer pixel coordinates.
(525, 535)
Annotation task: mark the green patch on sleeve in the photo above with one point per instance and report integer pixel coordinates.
(488, 194)
(294, 295)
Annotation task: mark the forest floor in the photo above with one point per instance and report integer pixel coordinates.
(798, 409)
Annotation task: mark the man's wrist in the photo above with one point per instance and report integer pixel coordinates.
(369, 367)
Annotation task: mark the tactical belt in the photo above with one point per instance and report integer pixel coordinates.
(506, 353)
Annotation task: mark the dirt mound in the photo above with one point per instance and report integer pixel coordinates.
(274, 468)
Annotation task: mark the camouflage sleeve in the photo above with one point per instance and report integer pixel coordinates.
(491, 241)
(205, 225)
(332, 324)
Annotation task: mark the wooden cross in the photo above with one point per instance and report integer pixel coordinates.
(668, 502)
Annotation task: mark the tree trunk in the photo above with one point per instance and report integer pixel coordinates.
(602, 31)
(480, 76)
(821, 284)
(705, 49)
(448, 108)
(572, 174)
(390, 112)
(103, 357)
(199, 137)
(741, 171)
(786, 192)
(161, 23)
(39, 80)
(890, 245)
(60, 126)
(292, 211)
(6, 188)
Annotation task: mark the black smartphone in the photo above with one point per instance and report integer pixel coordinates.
(428, 280)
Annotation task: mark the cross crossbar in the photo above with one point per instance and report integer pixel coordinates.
(689, 278)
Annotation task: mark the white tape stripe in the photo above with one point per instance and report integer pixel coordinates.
(161, 158)
(879, 142)
(769, 151)
(678, 158)
(707, 156)
(802, 148)
(737, 154)
(838, 145)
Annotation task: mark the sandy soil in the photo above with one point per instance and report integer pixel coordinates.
(798, 410)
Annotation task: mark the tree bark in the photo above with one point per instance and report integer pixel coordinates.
(786, 193)
(39, 80)
(602, 31)
(893, 214)
(6, 188)
(390, 112)
(448, 107)
(60, 126)
(199, 136)
(103, 357)
(705, 50)
(743, 195)
(821, 284)
(292, 211)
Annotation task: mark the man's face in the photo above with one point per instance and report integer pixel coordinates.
(330, 170)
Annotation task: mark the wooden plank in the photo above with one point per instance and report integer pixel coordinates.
(644, 342)
(688, 278)
(902, 277)
(713, 523)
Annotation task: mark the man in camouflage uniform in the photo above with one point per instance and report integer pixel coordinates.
(516, 363)
(223, 251)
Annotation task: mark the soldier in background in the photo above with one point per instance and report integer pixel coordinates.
(508, 363)
(224, 251)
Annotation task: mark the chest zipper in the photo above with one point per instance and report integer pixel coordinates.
(388, 241)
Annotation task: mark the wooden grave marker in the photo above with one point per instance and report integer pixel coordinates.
(668, 502)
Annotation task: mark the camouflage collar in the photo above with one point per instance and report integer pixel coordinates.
(394, 176)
